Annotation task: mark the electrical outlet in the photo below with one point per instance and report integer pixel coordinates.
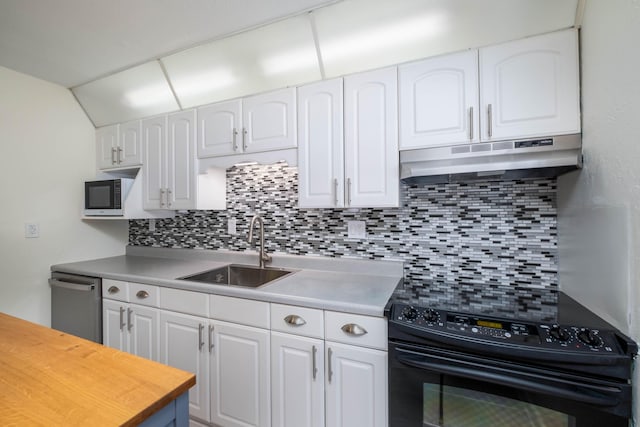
(356, 229)
(31, 230)
(152, 225)
(232, 226)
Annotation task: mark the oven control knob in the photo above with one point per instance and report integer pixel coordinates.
(431, 315)
(409, 313)
(589, 337)
(559, 333)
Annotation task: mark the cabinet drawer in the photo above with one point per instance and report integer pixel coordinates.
(309, 321)
(366, 331)
(115, 289)
(182, 301)
(144, 294)
(239, 310)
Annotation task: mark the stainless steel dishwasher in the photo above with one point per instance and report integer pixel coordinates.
(76, 305)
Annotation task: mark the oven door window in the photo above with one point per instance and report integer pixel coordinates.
(447, 406)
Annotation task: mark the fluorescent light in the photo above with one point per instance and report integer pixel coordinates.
(393, 35)
(209, 81)
(148, 96)
(288, 61)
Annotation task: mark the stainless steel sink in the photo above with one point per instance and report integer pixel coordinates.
(238, 275)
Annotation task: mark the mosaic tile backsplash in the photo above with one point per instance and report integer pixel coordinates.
(489, 244)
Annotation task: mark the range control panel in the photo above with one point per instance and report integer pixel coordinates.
(541, 335)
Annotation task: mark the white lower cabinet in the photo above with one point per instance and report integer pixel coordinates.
(240, 377)
(183, 346)
(297, 381)
(356, 387)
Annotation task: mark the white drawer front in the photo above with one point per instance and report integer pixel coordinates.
(238, 310)
(366, 331)
(188, 302)
(115, 289)
(144, 294)
(292, 319)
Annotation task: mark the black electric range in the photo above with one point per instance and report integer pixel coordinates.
(555, 359)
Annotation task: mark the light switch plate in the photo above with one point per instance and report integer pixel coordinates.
(232, 226)
(356, 229)
(31, 230)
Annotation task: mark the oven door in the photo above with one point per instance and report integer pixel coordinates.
(430, 387)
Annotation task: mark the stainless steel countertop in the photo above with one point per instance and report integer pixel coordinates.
(347, 285)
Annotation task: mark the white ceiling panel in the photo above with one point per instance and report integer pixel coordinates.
(71, 42)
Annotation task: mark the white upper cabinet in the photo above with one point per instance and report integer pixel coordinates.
(106, 144)
(219, 128)
(181, 158)
(321, 145)
(269, 121)
(530, 87)
(439, 101)
(129, 150)
(154, 136)
(371, 139)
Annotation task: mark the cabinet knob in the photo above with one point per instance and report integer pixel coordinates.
(353, 329)
(294, 320)
(142, 294)
(113, 290)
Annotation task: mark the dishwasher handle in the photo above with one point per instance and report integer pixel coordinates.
(56, 283)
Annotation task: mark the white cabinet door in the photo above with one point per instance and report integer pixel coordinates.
(297, 381)
(181, 157)
(106, 144)
(269, 121)
(155, 162)
(371, 139)
(114, 323)
(219, 128)
(530, 87)
(439, 101)
(129, 150)
(183, 346)
(143, 324)
(240, 376)
(321, 145)
(356, 387)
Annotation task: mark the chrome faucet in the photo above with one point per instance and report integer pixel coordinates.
(264, 258)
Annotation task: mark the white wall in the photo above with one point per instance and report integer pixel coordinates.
(599, 208)
(48, 149)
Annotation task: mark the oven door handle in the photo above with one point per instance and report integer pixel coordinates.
(598, 395)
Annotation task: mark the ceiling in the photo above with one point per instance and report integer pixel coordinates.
(71, 42)
(125, 60)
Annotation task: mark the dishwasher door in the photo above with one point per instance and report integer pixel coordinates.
(76, 305)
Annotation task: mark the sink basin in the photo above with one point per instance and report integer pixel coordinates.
(238, 275)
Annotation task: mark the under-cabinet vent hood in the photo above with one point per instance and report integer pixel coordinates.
(503, 160)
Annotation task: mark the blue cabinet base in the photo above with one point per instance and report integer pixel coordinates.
(175, 414)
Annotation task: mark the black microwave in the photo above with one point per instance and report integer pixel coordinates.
(106, 197)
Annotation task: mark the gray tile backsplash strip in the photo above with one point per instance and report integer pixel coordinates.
(494, 239)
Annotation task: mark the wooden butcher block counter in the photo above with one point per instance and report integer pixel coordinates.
(50, 378)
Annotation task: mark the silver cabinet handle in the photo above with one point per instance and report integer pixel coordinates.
(470, 123)
(335, 191)
(168, 197)
(113, 155)
(113, 290)
(211, 328)
(235, 139)
(353, 329)
(129, 324)
(200, 336)
(161, 197)
(490, 119)
(119, 155)
(142, 294)
(294, 320)
(122, 324)
(349, 191)
(329, 369)
(314, 367)
(244, 139)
